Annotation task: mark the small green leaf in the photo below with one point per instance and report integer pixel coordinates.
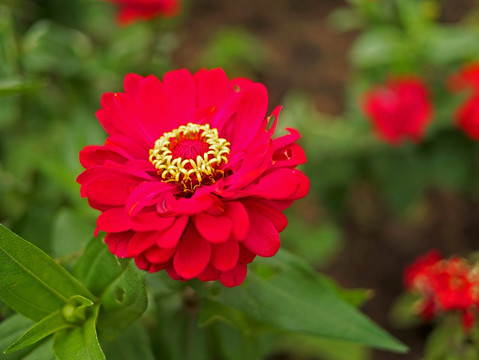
(294, 298)
(32, 283)
(119, 284)
(47, 326)
(79, 343)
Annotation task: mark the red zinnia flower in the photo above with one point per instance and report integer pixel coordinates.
(444, 285)
(467, 117)
(399, 109)
(133, 10)
(466, 78)
(452, 285)
(189, 179)
(417, 275)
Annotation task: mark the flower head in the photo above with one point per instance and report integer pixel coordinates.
(444, 285)
(190, 179)
(134, 10)
(417, 275)
(399, 109)
(466, 78)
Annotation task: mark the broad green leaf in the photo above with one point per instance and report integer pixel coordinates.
(134, 343)
(47, 326)
(14, 327)
(32, 283)
(178, 336)
(235, 345)
(294, 298)
(308, 347)
(40, 351)
(79, 343)
(119, 284)
(236, 335)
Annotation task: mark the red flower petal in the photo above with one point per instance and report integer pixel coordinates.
(147, 193)
(209, 274)
(192, 256)
(158, 256)
(213, 88)
(97, 155)
(180, 91)
(140, 242)
(234, 277)
(170, 238)
(268, 209)
(114, 220)
(151, 221)
(281, 184)
(245, 256)
(263, 238)
(236, 211)
(225, 255)
(118, 243)
(215, 229)
(131, 83)
(111, 189)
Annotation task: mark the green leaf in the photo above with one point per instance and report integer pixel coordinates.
(134, 343)
(79, 343)
(47, 326)
(11, 329)
(309, 347)
(32, 283)
(119, 284)
(294, 298)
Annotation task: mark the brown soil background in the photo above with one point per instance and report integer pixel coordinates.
(311, 57)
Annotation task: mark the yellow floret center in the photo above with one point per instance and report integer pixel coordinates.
(190, 156)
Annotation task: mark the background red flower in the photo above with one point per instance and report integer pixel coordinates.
(467, 117)
(211, 212)
(135, 10)
(466, 78)
(399, 109)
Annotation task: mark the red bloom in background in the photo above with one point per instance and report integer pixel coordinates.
(399, 109)
(466, 78)
(189, 179)
(444, 285)
(452, 284)
(417, 275)
(134, 10)
(467, 117)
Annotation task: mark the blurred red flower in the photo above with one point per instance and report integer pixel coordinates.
(134, 10)
(467, 116)
(417, 275)
(444, 285)
(189, 179)
(466, 78)
(399, 109)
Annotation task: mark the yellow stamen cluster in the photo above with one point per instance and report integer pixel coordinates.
(190, 173)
